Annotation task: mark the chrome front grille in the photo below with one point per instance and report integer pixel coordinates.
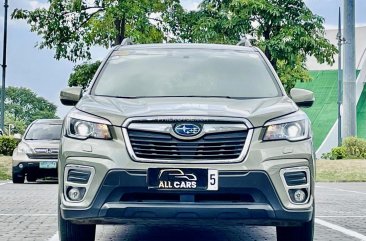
(164, 146)
(221, 140)
(44, 153)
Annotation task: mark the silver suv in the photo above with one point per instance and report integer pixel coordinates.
(36, 156)
(183, 133)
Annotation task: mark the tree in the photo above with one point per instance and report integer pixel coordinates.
(213, 22)
(82, 74)
(72, 27)
(23, 106)
(19, 125)
(286, 30)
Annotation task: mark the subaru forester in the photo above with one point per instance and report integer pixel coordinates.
(183, 134)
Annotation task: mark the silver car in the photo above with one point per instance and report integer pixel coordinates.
(186, 134)
(37, 153)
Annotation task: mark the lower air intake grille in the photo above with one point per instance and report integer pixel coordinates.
(198, 198)
(42, 156)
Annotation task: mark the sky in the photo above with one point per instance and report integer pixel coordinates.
(38, 70)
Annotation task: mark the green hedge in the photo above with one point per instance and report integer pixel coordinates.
(7, 145)
(352, 148)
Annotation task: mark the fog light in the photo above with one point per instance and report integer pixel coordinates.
(20, 165)
(299, 196)
(76, 193)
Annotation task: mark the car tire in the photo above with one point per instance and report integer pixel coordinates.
(305, 232)
(31, 177)
(69, 231)
(18, 178)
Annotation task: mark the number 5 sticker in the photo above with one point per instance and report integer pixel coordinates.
(213, 180)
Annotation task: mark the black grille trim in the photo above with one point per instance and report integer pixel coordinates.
(42, 156)
(78, 176)
(196, 198)
(295, 178)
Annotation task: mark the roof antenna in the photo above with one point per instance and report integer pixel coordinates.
(245, 41)
(127, 41)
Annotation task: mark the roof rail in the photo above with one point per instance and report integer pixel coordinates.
(127, 41)
(245, 41)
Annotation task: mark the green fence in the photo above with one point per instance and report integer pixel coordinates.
(323, 113)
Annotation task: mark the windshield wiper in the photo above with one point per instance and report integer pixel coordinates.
(122, 97)
(188, 96)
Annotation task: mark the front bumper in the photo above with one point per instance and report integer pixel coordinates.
(33, 167)
(244, 197)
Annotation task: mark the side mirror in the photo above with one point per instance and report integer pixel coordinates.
(17, 136)
(303, 98)
(71, 96)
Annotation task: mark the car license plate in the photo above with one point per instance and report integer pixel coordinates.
(48, 164)
(182, 179)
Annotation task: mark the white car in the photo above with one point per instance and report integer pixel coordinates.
(37, 153)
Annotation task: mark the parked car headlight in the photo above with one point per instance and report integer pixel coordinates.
(23, 148)
(81, 125)
(294, 127)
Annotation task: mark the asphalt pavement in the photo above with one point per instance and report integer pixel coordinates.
(28, 213)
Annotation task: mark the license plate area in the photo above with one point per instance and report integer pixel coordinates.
(48, 164)
(182, 179)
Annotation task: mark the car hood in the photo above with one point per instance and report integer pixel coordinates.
(117, 110)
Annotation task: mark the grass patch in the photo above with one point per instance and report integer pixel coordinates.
(341, 171)
(5, 167)
(327, 170)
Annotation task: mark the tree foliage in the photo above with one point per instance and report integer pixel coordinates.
(83, 74)
(286, 30)
(72, 27)
(19, 125)
(23, 106)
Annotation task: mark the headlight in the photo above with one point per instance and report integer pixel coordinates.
(83, 126)
(294, 127)
(23, 148)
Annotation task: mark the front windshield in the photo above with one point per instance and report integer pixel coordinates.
(186, 72)
(44, 132)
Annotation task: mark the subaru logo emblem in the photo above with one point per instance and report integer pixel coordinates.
(187, 130)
